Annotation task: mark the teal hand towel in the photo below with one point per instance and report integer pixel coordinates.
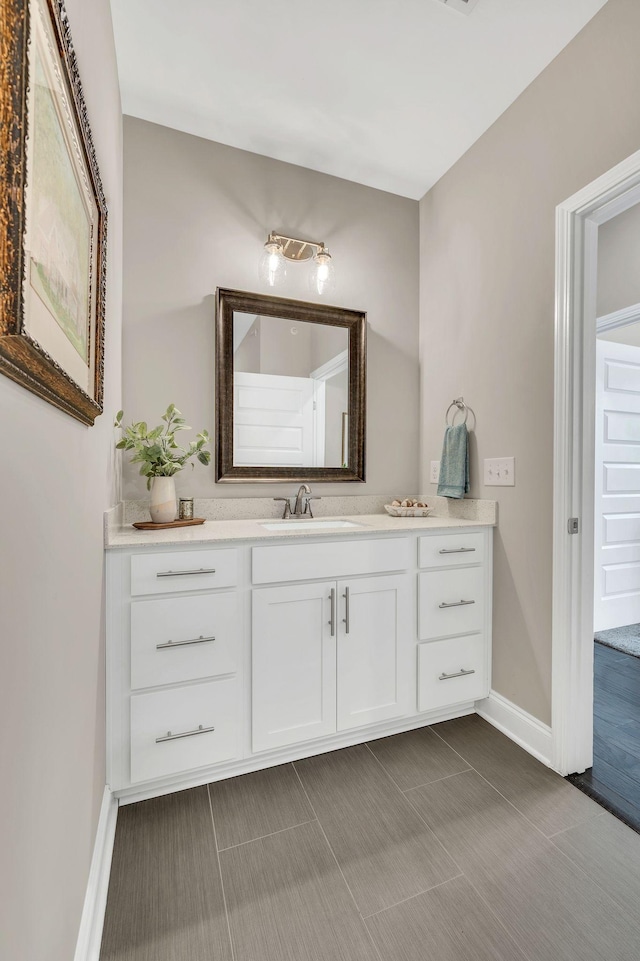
(454, 463)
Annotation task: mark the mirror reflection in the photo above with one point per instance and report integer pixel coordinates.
(290, 393)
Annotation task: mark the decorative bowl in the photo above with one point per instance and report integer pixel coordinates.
(408, 511)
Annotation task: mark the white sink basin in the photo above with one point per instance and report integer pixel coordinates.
(310, 524)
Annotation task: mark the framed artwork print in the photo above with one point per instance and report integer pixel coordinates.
(53, 216)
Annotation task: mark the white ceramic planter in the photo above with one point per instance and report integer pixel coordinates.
(163, 507)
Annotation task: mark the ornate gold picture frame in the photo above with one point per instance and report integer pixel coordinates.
(53, 215)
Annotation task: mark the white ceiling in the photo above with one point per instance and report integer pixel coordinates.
(388, 93)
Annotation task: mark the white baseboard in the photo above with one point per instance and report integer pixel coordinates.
(95, 900)
(526, 730)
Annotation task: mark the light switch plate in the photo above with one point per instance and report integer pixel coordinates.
(434, 474)
(500, 472)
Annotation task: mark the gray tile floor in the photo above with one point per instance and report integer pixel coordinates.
(448, 843)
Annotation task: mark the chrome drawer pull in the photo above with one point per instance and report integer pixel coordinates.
(346, 620)
(455, 604)
(202, 570)
(461, 673)
(193, 640)
(172, 737)
(456, 550)
(332, 622)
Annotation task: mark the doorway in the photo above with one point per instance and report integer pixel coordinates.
(614, 777)
(577, 224)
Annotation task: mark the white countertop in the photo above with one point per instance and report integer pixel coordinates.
(226, 532)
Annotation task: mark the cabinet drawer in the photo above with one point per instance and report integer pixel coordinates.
(165, 728)
(301, 562)
(183, 638)
(451, 602)
(448, 550)
(183, 571)
(440, 666)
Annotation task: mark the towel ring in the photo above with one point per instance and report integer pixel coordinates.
(460, 405)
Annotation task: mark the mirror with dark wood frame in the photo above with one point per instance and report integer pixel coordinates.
(290, 390)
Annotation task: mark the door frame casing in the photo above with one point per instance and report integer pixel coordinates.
(577, 221)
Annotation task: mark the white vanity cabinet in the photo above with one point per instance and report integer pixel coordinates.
(454, 619)
(329, 656)
(226, 659)
(174, 663)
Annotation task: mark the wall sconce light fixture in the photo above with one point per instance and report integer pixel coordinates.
(279, 249)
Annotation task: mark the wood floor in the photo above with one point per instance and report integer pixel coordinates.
(614, 779)
(448, 843)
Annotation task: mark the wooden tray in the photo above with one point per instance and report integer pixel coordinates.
(150, 526)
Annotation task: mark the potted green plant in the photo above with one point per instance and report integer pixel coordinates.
(161, 457)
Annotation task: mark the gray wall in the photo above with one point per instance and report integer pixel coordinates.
(247, 356)
(487, 309)
(619, 262)
(280, 351)
(196, 216)
(57, 478)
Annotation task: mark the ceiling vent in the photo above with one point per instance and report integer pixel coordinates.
(463, 6)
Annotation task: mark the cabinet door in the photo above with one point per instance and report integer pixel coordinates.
(375, 644)
(293, 665)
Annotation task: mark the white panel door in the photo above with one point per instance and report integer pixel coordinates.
(273, 421)
(617, 486)
(293, 665)
(375, 646)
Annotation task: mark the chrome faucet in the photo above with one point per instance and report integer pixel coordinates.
(302, 504)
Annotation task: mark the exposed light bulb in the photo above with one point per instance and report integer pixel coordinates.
(321, 278)
(272, 268)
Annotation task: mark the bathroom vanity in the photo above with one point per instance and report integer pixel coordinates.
(243, 644)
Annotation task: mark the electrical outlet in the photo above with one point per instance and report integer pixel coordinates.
(500, 472)
(434, 475)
